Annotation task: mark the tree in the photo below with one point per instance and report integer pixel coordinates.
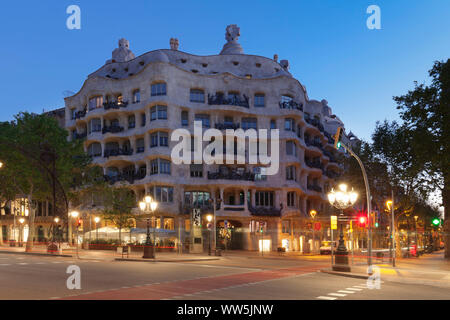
(425, 111)
(119, 202)
(40, 161)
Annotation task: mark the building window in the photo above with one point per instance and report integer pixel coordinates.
(140, 145)
(285, 226)
(95, 125)
(291, 148)
(159, 89)
(169, 224)
(136, 96)
(159, 139)
(158, 113)
(197, 95)
(249, 123)
(154, 167)
(184, 118)
(196, 198)
(204, 118)
(95, 102)
(259, 100)
(291, 173)
(73, 111)
(164, 166)
(289, 124)
(260, 173)
(273, 124)
(264, 198)
(95, 149)
(291, 199)
(233, 96)
(285, 99)
(142, 119)
(163, 194)
(196, 170)
(131, 122)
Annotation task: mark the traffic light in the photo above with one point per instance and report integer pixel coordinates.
(79, 223)
(338, 137)
(362, 221)
(436, 222)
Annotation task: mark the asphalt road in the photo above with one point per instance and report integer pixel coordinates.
(232, 278)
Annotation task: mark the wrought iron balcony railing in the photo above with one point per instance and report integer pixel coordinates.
(220, 99)
(264, 211)
(314, 187)
(117, 152)
(112, 129)
(291, 105)
(232, 175)
(115, 105)
(80, 114)
(313, 164)
(224, 126)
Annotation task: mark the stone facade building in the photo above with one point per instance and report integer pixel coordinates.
(127, 110)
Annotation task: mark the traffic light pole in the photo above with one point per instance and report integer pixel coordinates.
(369, 209)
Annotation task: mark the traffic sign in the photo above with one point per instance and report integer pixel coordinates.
(317, 226)
(334, 222)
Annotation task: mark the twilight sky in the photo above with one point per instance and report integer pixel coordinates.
(329, 47)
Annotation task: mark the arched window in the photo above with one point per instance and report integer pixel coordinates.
(95, 149)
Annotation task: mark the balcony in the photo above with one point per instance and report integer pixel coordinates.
(232, 175)
(112, 129)
(313, 143)
(331, 174)
(264, 211)
(314, 164)
(79, 136)
(118, 152)
(233, 207)
(316, 123)
(80, 114)
(291, 105)
(314, 187)
(204, 207)
(115, 105)
(219, 99)
(224, 126)
(140, 149)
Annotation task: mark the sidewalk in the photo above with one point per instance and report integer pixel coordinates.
(430, 269)
(110, 255)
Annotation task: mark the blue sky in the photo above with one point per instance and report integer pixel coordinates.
(329, 47)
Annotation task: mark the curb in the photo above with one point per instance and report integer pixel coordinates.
(166, 260)
(344, 274)
(38, 254)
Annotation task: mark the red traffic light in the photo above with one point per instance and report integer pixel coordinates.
(362, 220)
(79, 222)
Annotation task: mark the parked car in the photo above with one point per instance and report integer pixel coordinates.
(326, 247)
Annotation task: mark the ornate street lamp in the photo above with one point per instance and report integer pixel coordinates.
(148, 205)
(342, 199)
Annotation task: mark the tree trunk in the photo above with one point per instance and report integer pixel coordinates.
(120, 236)
(29, 246)
(446, 202)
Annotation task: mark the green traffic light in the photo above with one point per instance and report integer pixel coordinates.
(339, 144)
(436, 221)
(376, 224)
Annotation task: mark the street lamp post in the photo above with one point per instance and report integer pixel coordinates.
(313, 215)
(390, 205)
(75, 214)
(209, 219)
(96, 220)
(148, 205)
(21, 220)
(342, 199)
(415, 231)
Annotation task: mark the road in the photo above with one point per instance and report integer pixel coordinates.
(231, 278)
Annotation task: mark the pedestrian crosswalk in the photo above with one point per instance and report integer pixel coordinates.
(343, 293)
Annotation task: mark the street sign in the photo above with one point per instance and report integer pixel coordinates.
(333, 222)
(196, 217)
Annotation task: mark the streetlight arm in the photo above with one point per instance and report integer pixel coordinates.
(366, 183)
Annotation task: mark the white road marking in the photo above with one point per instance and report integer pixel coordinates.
(361, 287)
(355, 289)
(326, 298)
(5, 264)
(56, 262)
(23, 263)
(345, 291)
(337, 294)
